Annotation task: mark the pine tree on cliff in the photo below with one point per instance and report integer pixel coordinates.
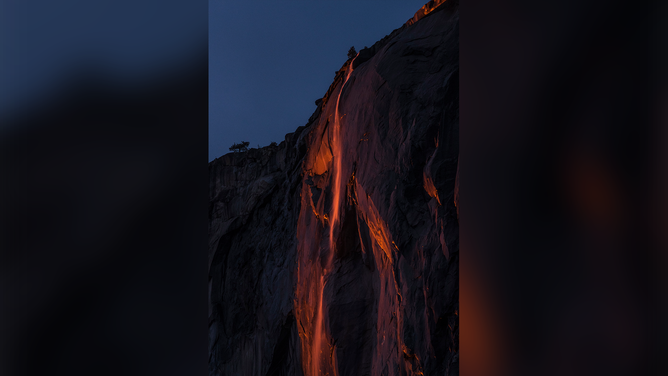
(243, 146)
(352, 52)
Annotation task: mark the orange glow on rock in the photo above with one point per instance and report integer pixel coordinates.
(316, 255)
(430, 188)
(317, 247)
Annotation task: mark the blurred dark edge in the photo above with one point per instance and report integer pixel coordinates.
(564, 213)
(103, 222)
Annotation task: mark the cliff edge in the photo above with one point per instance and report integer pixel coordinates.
(336, 252)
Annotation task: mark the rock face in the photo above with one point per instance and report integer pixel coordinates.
(336, 251)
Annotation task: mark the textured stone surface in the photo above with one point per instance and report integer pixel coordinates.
(336, 251)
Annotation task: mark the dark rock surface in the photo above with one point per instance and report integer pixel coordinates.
(336, 252)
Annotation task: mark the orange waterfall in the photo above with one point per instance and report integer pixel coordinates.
(318, 353)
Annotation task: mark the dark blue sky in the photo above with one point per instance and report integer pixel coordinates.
(270, 60)
(129, 43)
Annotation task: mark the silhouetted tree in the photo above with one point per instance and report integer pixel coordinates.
(352, 52)
(242, 146)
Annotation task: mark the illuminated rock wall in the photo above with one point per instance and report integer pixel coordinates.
(336, 251)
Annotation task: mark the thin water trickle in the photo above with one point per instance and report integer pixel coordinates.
(320, 337)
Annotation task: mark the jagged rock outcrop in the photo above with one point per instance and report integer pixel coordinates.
(336, 251)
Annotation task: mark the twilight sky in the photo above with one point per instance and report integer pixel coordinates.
(270, 61)
(44, 45)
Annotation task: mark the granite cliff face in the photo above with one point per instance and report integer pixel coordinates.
(336, 251)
